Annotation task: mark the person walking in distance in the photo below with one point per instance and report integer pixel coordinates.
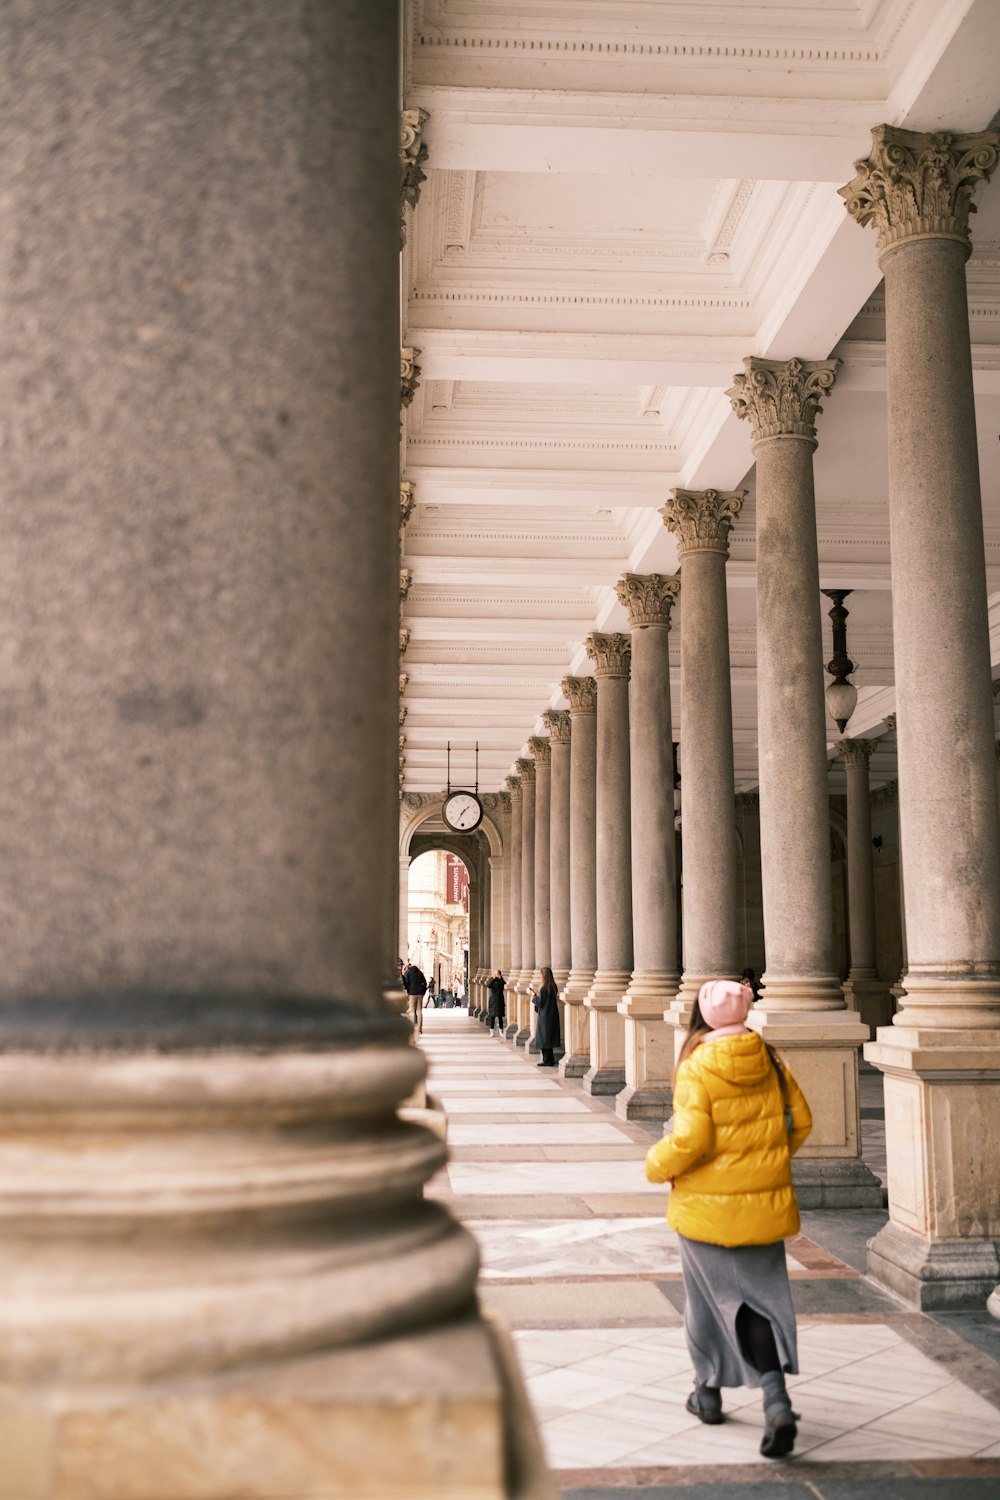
(546, 1002)
(739, 1117)
(496, 1010)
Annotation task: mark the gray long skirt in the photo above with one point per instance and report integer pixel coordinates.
(717, 1281)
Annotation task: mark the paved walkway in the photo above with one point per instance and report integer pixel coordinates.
(578, 1260)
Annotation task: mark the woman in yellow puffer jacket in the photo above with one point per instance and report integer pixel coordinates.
(739, 1117)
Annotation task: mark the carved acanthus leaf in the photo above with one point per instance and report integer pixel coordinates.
(582, 694)
(526, 770)
(648, 597)
(405, 579)
(856, 752)
(610, 653)
(416, 801)
(407, 500)
(403, 711)
(541, 748)
(890, 723)
(781, 398)
(404, 640)
(701, 520)
(409, 375)
(558, 722)
(403, 680)
(412, 155)
(514, 785)
(917, 184)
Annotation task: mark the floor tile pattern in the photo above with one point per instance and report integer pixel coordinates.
(577, 1258)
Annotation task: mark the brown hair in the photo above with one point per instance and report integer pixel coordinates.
(547, 980)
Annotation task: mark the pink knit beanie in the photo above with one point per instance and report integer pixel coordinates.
(724, 1003)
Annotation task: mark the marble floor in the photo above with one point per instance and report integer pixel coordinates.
(577, 1258)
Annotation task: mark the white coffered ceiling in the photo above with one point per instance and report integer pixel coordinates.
(624, 198)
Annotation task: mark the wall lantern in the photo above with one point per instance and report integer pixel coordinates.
(841, 695)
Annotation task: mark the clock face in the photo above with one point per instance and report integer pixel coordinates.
(462, 811)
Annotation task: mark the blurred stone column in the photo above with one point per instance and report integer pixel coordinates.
(649, 1048)
(526, 770)
(702, 520)
(611, 655)
(212, 1221)
(516, 834)
(541, 749)
(802, 1009)
(557, 722)
(941, 1056)
(863, 990)
(582, 695)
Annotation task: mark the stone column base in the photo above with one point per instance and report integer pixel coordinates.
(576, 1037)
(871, 1000)
(942, 1104)
(649, 1048)
(836, 1183)
(377, 1420)
(606, 1074)
(948, 1276)
(821, 1049)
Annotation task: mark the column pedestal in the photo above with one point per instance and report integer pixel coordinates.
(942, 1104)
(606, 1071)
(870, 998)
(649, 1048)
(576, 1023)
(822, 1051)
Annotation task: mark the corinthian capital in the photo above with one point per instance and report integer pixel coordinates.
(781, 397)
(526, 771)
(611, 654)
(917, 185)
(407, 500)
(582, 694)
(403, 711)
(412, 155)
(409, 375)
(648, 597)
(403, 680)
(513, 785)
(405, 579)
(404, 640)
(541, 748)
(701, 520)
(557, 721)
(856, 752)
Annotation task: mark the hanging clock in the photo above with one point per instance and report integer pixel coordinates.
(462, 811)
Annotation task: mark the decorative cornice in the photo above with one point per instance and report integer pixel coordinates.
(409, 375)
(781, 398)
(918, 185)
(610, 653)
(648, 597)
(412, 155)
(416, 801)
(857, 752)
(541, 748)
(405, 580)
(582, 694)
(404, 640)
(407, 500)
(526, 771)
(559, 724)
(701, 520)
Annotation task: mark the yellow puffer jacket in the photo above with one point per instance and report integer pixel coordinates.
(729, 1155)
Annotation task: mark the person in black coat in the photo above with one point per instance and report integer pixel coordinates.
(496, 1010)
(546, 1002)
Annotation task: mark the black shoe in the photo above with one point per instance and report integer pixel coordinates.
(705, 1403)
(780, 1430)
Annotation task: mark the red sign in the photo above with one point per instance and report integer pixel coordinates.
(457, 883)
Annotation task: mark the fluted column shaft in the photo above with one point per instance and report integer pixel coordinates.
(702, 520)
(582, 695)
(802, 1010)
(942, 1054)
(611, 656)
